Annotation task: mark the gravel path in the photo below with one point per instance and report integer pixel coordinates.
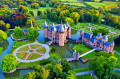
(45, 56)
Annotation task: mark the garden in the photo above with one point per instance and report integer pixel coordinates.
(86, 28)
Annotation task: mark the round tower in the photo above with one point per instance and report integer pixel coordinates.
(111, 46)
(53, 33)
(61, 35)
(68, 30)
(45, 30)
(81, 33)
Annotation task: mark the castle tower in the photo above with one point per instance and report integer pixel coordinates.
(105, 38)
(45, 30)
(53, 33)
(61, 35)
(31, 24)
(111, 46)
(99, 36)
(74, 54)
(68, 30)
(81, 32)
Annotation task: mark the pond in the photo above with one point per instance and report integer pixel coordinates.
(63, 51)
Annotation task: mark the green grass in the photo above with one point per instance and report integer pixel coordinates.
(117, 48)
(118, 57)
(85, 26)
(35, 10)
(81, 48)
(36, 46)
(16, 37)
(86, 76)
(21, 55)
(23, 48)
(97, 5)
(43, 50)
(75, 3)
(81, 69)
(90, 55)
(68, 0)
(18, 44)
(34, 56)
(1, 50)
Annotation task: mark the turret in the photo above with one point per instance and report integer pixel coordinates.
(53, 33)
(45, 29)
(61, 35)
(68, 30)
(81, 32)
(99, 36)
(105, 38)
(31, 24)
(111, 46)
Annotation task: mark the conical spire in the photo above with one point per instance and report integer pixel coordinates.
(67, 24)
(61, 29)
(45, 23)
(31, 24)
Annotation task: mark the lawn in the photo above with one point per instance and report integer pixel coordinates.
(40, 8)
(1, 50)
(42, 50)
(18, 44)
(86, 28)
(34, 56)
(75, 3)
(23, 48)
(16, 37)
(117, 48)
(90, 55)
(86, 76)
(81, 69)
(118, 57)
(35, 46)
(98, 4)
(81, 48)
(68, 0)
(21, 55)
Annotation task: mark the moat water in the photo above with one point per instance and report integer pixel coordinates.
(63, 51)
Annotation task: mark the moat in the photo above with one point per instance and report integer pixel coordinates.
(63, 51)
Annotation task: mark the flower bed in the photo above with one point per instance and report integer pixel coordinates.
(25, 55)
(30, 56)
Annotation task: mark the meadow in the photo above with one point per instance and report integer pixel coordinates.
(68, 0)
(98, 4)
(75, 3)
(40, 8)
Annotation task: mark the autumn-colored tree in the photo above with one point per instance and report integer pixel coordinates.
(45, 73)
(3, 36)
(23, 9)
(28, 23)
(75, 16)
(35, 5)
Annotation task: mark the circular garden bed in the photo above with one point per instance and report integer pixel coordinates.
(31, 52)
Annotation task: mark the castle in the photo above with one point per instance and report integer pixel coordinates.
(97, 41)
(57, 33)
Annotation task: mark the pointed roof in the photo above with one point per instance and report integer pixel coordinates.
(105, 37)
(81, 30)
(87, 35)
(112, 42)
(45, 24)
(99, 35)
(107, 43)
(53, 29)
(99, 41)
(61, 28)
(67, 24)
(31, 24)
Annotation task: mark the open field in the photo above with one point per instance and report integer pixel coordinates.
(97, 5)
(86, 28)
(86, 76)
(40, 8)
(75, 3)
(1, 50)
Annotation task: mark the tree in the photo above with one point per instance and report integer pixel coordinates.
(39, 13)
(70, 21)
(30, 75)
(18, 31)
(23, 9)
(31, 12)
(35, 5)
(9, 62)
(57, 70)
(71, 75)
(28, 23)
(32, 33)
(4, 26)
(66, 65)
(102, 63)
(3, 36)
(45, 73)
(75, 16)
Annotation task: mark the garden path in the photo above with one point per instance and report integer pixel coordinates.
(45, 56)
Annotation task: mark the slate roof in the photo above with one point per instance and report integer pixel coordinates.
(93, 38)
(112, 42)
(81, 30)
(53, 29)
(61, 29)
(45, 24)
(107, 43)
(25, 30)
(105, 37)
(99, 41)
(99, 35)
(87, 35)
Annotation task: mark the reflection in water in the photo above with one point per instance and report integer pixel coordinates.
(64, 50)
